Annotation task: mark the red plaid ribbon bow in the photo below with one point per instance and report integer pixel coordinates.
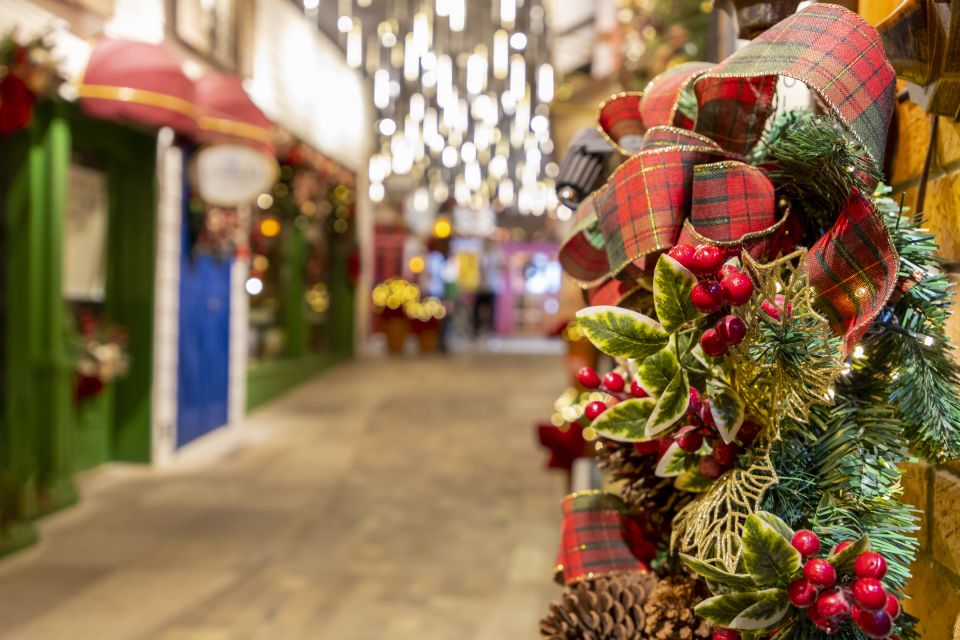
(686, 179)
(598, 538)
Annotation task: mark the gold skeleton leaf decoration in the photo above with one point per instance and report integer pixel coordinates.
(775, 384)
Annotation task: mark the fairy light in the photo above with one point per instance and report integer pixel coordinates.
(858, 352)
(501, 54)
(545, 83)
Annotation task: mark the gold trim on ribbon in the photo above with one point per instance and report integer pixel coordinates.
(137, 96)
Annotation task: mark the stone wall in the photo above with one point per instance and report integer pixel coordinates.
(935, 587)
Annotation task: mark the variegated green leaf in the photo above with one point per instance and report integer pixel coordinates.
(621, 332)
(778, 525)
(724, 609)
(845, 560)
(672, 463)
(672, 284)
(716, 575)
(656, 371)
(726, 407)
(625, 421)
(767, 556)
(770, 608)
(671, 405)
(692, 481)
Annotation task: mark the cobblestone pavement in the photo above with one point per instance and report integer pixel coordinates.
(384, 500)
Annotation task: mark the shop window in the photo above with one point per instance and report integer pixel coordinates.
(84, 271)
(209, 27)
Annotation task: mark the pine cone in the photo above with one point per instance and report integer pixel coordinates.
(670, 613)
(606, 608)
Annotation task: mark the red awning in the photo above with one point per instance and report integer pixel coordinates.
(228, 113)
(132, 81)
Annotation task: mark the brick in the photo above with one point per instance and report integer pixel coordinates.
(913, 137)
(935, 600)
(915, 483)
(948, 142)
(945, 520)
(940, 214)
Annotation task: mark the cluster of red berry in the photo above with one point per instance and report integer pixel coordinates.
(719, 285)
(701, 427)
(829, 599)
(612, 384)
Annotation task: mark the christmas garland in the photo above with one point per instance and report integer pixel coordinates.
(776, 325)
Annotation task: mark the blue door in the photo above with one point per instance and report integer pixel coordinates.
(204, 345)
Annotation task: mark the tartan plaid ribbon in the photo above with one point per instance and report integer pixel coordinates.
(598, 538)
(683, 185)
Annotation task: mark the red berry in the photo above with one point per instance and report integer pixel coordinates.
(707, 259)
(822, 623)
(870, 565)
(706, 416)
(748, 432)
(712, 343)
(869, 593)
(737, 287)
(840, 547)
(588, 377)
(806, 542)
(725, 634)
(646, 448)
(802, 593)
(892, 607)
(728, 270)
(707, 296)
(683, 253)
(690, 440)
(613, 381)
(726, 454)
(820, 572)
(874, 624)
(732, 329)
(594, 409)
(694, 406)
(637, 391)
(710, 468)
(832, 604)
(774, 310)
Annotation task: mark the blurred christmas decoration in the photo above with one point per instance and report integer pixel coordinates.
(101, 354)
(582, 167)
(28, 73)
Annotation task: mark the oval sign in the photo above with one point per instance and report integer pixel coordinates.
(228, 175)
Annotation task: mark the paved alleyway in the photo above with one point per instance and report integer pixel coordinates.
(383, 501)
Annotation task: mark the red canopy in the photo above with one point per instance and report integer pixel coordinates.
(134, 81)
(228, 113)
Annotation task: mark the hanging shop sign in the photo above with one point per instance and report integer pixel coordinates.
(233, 174)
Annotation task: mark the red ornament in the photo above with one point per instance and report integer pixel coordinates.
(713, 344)
(874, 624)
(725, 634)
(637, 391)
(710, 468)
(565, 445)
(707, 296)
(594, 409)
(820, 572)
(870, 564)
(690, 439)
(732, 329)
(869, 593)
(613, 381)
(832, 604)
(892, 607)
(805, 541)
(588, 377)
(707, 259)
(683, 253)
(738, 288)
(840, 547)
(802, 593)
(16, 104)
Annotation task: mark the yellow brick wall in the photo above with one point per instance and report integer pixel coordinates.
(935, 587)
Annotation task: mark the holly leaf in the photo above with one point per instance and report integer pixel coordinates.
(693, 481)
(717, 575)
(778, 525)
(726, 407)
(724, 609)
(672, 462)
(767, 555)
(671, 405)
(621, 332)
(672, 284)
(769, 609)
(625, 421)
(655, 372)
(843, 562)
